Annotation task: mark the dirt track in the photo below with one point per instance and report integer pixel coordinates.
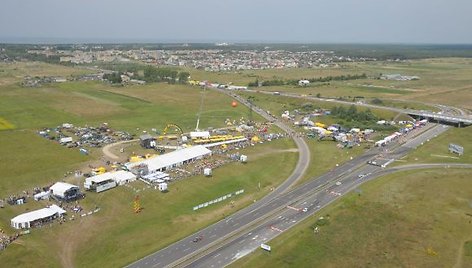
(109, 154)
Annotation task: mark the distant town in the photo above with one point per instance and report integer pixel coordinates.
(214, 59)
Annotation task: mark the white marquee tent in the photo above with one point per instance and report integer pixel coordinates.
(26, 220)
(172, 159)
(64, 190)
(120, 177)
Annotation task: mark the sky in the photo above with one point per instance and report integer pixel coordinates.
(290, 21)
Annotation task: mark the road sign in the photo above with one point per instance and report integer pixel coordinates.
(457, 149)
(265, 247)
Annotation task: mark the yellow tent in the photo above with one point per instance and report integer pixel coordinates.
(255, 139)
(318, 124)
(100, 170)
(135, 158)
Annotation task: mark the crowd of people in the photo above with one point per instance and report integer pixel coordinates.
(6, 240)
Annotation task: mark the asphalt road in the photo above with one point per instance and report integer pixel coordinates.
(307, 199)
(220, 243)
(447, 111)
(223, 239)
(180, 250)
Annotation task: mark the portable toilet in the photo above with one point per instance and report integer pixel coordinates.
(207, 172)
(162, 186)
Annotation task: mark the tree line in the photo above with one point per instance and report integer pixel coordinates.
(352, 114)
(294, 82)
(151, 74)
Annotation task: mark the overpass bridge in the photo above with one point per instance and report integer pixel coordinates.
(460, 120)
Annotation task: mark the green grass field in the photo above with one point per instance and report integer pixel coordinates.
(442, 80)
(117, 236)
(410, 219)
(277, 105)
(4, 124)
(28, 160)
(106, 239)
(437, 149)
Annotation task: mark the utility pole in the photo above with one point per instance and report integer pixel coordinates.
(250, 100)
(201, 108)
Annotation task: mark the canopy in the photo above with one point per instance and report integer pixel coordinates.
(24, 220)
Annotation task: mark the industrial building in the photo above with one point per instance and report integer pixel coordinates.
(169, 160)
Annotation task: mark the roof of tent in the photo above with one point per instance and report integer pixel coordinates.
(120, 175)
(175, 157)
(38, 214)
(59, 188)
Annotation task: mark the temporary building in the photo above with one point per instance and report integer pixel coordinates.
(303, 83)
(199, 134)
(207, 172)
(147, 141)
(65, 140)
(65, 191)
(30, 219)
(99, 183)
(172, 159)
(41, 196)
(162, 187)
(122, 177)
(108, 180)
(156, 177)
(243, 158)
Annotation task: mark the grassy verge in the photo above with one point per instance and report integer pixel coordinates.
(407, 219)
(117, 236)
(436, 150)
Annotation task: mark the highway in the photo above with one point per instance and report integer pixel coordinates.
(298, 204)
(224, 237)
(185, 248)
(224, 242)
(462, 117)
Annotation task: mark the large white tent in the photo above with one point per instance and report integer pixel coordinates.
(172, 159)
(119, 177)
(27, 220)
(66, 191)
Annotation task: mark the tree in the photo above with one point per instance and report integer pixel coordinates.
(114, 78)
(183, 77)
(377, 101)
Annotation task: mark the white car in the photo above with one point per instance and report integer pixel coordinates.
(338, 183)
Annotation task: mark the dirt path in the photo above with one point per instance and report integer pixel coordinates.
(109, 154)
(460, 255)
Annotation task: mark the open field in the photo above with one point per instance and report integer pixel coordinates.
(442, 80)
(4, 124)
(29, 160)
(164, 219)
(325, 155)
(436, 150)
(116, 236)
(14, 72)
(128, 108)
(277, 105)
(414, 219)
